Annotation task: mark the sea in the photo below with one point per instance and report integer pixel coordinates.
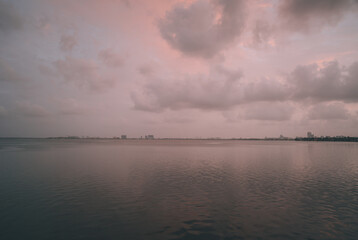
(177, 189)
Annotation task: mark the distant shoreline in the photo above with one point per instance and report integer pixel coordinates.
(304, 139)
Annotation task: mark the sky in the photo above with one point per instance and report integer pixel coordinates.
(178, 68)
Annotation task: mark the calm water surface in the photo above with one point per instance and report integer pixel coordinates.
(160, 189)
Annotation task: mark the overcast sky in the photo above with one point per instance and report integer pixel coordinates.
(178, 68)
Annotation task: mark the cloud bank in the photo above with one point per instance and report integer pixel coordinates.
(331, 82)
(223, 89)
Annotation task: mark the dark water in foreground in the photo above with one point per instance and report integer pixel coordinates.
(96, 189)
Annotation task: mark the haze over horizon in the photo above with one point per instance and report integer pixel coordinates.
(178, 68)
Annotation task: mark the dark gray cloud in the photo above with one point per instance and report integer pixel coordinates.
(330, 111)
(331, 82)
(303, 15)
(204, 28)
(84, 73)
(9, 18)
(350, 83)
(67, 43)
(111, 58)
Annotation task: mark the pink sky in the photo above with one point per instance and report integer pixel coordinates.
(194, 68)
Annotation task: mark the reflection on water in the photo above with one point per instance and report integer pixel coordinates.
(97, 189)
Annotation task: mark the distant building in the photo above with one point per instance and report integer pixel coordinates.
(310, 135)
(283, 137)
(149, 136)
(124, 137)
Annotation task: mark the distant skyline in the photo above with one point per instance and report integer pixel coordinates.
(178, 68)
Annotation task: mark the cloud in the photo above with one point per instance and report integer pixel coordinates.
(32, 110)
(110, 58)
(43, 23)
(71, 106)
(350, 80)
(203, 92)
(9, 18)
(178, 120)
(305, 15)
(67, 43)
(7, 73)
(146, 70)
(204, 28)
(3, 111)
(266, 90)
(127, 3)
(221, 89)
(84, 73)
(330, 111)
(262, 31)
(269, 112)
(331, 82)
